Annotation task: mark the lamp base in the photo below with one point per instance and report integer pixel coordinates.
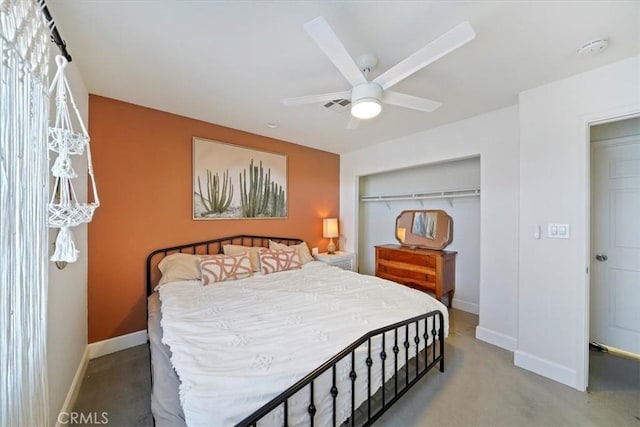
(331, 247)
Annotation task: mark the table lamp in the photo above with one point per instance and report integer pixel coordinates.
(330, 230)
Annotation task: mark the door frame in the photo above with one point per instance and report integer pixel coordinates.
(610, 117)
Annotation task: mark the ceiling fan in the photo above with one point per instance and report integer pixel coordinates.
(367, 96)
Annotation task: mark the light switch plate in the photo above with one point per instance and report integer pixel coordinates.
(558, 231)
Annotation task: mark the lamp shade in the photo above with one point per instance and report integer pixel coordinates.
(330, 227)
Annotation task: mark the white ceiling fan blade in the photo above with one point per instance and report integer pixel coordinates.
(328, 42)
(410, 101)
(353, 122)
(448, 42)
(312, 99)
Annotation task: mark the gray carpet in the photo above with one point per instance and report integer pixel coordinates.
(119, 385)
(480, 387)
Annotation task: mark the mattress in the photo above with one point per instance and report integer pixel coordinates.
(235, 345)
(165, 403)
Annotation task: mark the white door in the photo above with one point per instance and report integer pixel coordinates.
(615, 243)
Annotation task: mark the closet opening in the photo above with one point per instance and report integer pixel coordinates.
(452, 186)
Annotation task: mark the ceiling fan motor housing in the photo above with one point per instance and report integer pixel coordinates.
(365, 99)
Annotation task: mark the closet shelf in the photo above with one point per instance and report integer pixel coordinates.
(446, 194)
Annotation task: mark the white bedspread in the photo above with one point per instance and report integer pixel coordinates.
(235, 345)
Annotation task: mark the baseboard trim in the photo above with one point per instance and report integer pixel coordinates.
(74, 389)
(546, 368)
(123, 342)
(469, 307)
(496, 338)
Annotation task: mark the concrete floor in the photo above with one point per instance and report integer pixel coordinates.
(480, 387)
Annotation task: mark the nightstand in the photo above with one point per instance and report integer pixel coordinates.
(344, 260)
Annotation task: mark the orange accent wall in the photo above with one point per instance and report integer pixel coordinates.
(143, 166)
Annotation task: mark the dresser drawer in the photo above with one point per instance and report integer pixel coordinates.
(345, 265)
(418, 259)
(407, 271)
(417, 283)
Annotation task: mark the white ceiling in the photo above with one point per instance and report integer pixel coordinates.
(232, 62)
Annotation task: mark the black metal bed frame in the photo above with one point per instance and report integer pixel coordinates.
(413, 369)
(210, 247)
(437, 357)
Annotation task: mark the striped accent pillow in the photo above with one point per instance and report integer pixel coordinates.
(273, 260)
(219, 268)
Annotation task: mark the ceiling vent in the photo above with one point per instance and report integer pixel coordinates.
(338, 104)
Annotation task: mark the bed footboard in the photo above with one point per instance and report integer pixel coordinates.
(406, 372)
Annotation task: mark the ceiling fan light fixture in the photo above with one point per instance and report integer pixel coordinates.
(366, 108)
(365, 100)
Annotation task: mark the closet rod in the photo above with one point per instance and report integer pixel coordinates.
(447, 194)
(55, 35)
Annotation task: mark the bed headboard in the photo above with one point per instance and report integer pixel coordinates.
(206, 247)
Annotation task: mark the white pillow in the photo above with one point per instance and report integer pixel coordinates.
(252, 251)
(176, 267)
(303, 250)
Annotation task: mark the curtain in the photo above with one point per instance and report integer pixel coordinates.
(24, 187)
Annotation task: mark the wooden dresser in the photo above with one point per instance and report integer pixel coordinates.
(423, 269)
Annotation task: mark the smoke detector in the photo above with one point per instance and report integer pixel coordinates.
(593, 47)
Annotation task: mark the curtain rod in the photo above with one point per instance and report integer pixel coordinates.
(55, 35)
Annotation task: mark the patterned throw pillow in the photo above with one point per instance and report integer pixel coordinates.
(303, 250)
(219, 268)
(273, 260)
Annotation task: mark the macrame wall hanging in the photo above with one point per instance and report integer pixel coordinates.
(65, 210)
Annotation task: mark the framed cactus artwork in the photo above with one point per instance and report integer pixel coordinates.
(236, 182)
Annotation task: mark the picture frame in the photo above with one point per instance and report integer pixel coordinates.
(237, 182)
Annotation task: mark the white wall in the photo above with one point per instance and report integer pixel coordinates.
(554, 154)
(493, 137)
(67, 306)
(377, 219)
